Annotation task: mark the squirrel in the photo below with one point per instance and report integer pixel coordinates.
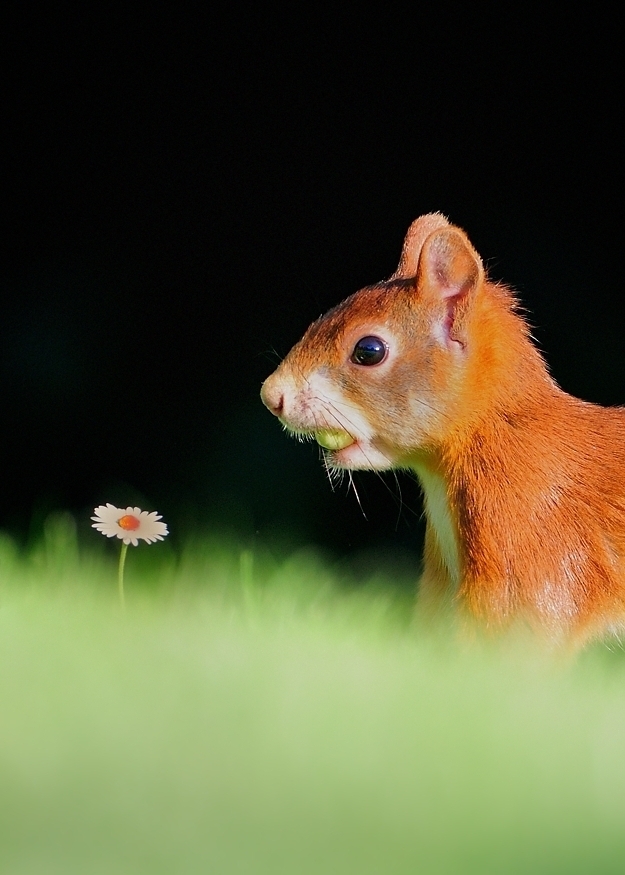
(435, 371)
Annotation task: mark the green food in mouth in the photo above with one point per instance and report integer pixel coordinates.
(333, 438)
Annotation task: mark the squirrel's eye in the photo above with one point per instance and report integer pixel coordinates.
(369, 351)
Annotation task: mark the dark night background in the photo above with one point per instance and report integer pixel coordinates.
(185, 193)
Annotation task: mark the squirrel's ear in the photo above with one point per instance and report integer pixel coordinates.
(449, 272)
(416, 236)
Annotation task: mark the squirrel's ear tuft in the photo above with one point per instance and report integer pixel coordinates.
(450, 270)
(416, 236)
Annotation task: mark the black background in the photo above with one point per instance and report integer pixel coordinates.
(186, 191)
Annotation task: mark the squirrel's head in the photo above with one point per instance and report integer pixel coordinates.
(382, 374)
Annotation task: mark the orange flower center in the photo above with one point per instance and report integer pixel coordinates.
(129, 522)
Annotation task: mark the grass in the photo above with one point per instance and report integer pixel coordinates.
(253, 715)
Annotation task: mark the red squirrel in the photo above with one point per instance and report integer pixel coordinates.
(434, 371)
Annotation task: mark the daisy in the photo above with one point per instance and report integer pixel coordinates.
(130, 525)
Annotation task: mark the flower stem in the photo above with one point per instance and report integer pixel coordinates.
(120, 574)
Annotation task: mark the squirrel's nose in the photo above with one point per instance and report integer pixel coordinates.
(272, 397)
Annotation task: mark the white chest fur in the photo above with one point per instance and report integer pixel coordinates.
(440, 518)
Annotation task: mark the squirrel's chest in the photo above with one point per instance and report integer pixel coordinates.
(441, 519)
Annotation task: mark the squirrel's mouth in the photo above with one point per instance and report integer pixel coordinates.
(346, 451)
(333, 438)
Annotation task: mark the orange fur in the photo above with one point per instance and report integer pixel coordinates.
(524, 485)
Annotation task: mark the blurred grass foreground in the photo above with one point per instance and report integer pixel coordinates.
(256, 715)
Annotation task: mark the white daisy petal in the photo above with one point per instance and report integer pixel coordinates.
(131, 524)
